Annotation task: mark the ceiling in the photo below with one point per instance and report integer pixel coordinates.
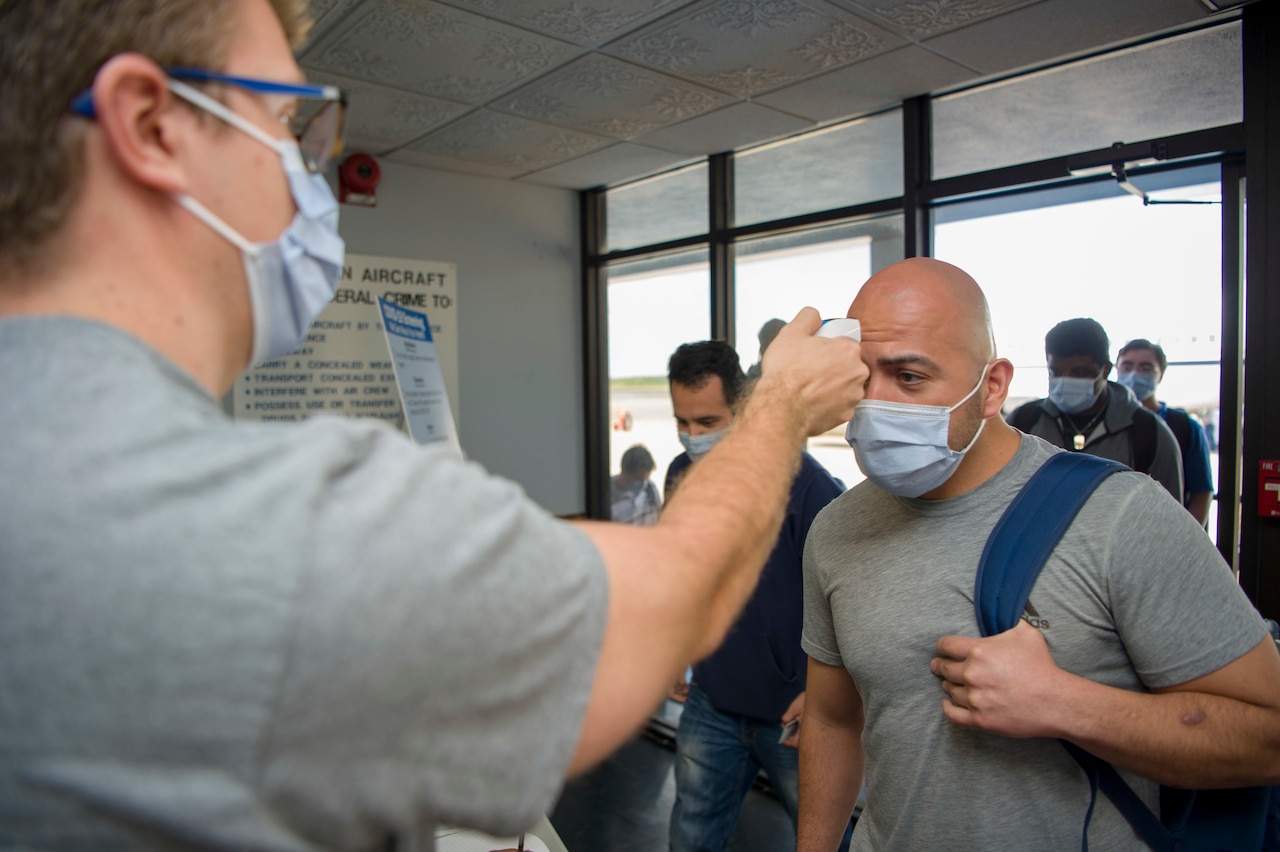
(584, 93)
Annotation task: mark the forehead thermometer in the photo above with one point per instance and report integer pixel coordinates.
(841, 327)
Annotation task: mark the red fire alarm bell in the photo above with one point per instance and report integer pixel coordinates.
(1269, 488)
(358, 178)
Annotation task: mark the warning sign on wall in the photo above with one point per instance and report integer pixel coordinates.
(345, 367)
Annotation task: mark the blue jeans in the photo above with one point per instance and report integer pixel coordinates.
(717, 758)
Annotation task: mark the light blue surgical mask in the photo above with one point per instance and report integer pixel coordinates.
(903, 448)
(1072, 395)
(1143, 385)
(293, 278)
(698, 446)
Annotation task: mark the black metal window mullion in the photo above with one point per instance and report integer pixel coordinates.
(1231, 364)
(595, 335)
(917, 235)
(720, 221)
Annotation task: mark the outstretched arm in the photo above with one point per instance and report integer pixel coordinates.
(676, 587)
(1219, 730)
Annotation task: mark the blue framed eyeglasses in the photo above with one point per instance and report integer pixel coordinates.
(319, 131)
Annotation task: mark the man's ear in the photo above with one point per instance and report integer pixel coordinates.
(999, 376)
(140, 121)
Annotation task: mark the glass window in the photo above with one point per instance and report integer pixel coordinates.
(666, 207)
(1180, 84)
(655, 304)
(823, 269)
(836, 167)
(1141, 271)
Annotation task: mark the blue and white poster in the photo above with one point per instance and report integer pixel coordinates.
(423, 395)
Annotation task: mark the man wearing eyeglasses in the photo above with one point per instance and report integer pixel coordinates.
(269, 636)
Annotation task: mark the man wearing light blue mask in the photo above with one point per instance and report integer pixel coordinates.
(1134, 623)
(1086, 413)
(1140, 366)
(292, 277)
(741, 696)
(222, 634)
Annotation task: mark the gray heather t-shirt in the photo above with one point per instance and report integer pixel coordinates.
(265, 636)
(1135, 594)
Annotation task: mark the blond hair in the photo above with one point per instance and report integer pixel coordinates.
(50, 51)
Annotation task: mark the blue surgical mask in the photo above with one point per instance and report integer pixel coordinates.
(293, 278)
(1072, 395)
(698, 446)
(1143, 385)
(903, 448)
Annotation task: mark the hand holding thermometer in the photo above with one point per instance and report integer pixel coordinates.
(841, 327)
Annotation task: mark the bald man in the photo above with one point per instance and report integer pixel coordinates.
(1137, 643)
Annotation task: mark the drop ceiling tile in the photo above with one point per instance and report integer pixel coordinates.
(436, 50)
(381, 119)
(585, 22)
(727, 129)
(868, 86)
(608, 167)
(608, 97)
(1060, 28)
(507, 142)
(449, 164)
(918, 19)
(746, 47)
(325, 15)
(323, 11)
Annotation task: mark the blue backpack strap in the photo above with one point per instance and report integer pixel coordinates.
(1103, 776)
(1028, 531)
(1015, 552)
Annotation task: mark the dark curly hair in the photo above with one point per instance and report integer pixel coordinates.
(692, 364)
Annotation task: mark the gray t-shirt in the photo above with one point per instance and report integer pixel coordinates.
(1134, 595)
(267, 636)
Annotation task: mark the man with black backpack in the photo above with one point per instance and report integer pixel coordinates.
(1140, 367)
(1086, 413)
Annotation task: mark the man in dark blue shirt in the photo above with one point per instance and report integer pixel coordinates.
(1140, 367)
(743, 694)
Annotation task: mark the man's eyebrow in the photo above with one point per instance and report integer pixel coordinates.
(910, 359)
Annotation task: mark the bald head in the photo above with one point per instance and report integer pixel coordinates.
(926, 341)
(929, 300)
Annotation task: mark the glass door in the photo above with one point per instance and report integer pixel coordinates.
(1143, 270)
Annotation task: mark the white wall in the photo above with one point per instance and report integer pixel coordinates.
(519, 314)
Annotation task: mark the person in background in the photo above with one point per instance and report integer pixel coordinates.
(742, 695)
(767, 333)
(244, 635)
(635, 498)
(1136, 643)
(1140, 367)
(1086, 413)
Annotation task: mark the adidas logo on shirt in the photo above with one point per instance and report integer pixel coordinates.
(1030, 616)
